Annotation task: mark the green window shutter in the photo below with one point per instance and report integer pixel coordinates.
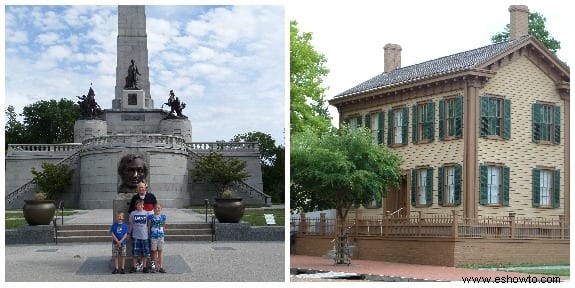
(536, 112)
(414, 124)
(507, 119)
(380, 120)
(389, 127)
(457, 184)
(413, 186)
(505, 186)
(484, 109)
(378, 203)
(482, 184)
(557, 125)
(458, 117)
(440, 186)
(536, 188)
(430, 122)
(356, 204)
(368, 120)
(556, 188)
(404, 125)
(358, 122)
(429, 187)
(441, 119)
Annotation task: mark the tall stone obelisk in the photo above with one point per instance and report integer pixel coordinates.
(132, 45)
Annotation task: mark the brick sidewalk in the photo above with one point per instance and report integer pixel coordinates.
(416, 271)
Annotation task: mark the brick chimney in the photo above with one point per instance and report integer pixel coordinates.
(519, 25)
(391, 57)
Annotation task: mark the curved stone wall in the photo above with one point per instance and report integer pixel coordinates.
(177, 127)
(86, 129)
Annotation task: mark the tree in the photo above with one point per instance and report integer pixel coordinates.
(51, 122)
(536, 28)
(53, 179)
(272, 163)
(15, 132)
(308, 108)
(336, 169)
(220, 171)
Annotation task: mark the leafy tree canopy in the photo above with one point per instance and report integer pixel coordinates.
(336, 169)
(308, 107)
(272, 161)
(536, 28)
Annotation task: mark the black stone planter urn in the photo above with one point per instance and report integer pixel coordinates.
(39, 212)
(229, 210)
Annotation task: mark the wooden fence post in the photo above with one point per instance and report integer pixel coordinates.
(562, 226)
(419, 220)
(322, 223)
(512, 225)
(302, 223)
(455, 225)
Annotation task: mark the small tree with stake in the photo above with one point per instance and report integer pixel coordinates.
(337, 168)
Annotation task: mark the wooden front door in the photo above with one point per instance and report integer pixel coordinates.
(397, 199)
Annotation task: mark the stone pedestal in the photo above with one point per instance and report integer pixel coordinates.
(122, 203)
(86, 129)
(133, 99)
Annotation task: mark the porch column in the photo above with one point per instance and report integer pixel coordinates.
(470, 135)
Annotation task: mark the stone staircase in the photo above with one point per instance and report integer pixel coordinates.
(83, 233)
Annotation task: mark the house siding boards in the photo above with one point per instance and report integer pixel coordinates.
(524, 84)
(518, 79)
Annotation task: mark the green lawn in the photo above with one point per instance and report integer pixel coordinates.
(15, 217)
(254, 216)
(524, 268)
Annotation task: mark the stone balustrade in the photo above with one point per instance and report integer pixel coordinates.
(49, 148)
(148, 139)
(225, 146)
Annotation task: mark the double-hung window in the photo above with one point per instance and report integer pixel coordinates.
(546, 183)
(423, 122)
(451, 118)
(375, 122)
(546, 123)
(495, 117)
(397, 126)
(493, 185)
(449, 185)
(422, 187)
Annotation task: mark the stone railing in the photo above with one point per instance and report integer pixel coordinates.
(144, 139)
(49, 148)
(224, 146)
(243, 187)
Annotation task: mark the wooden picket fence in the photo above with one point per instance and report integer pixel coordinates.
(440, 226)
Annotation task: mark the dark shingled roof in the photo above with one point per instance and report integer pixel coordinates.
(448, 64)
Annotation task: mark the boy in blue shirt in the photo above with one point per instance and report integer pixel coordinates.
(139, 233)
(157, 223)
(119, 231)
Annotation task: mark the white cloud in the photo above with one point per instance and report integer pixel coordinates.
(47, 38)
(218, 61)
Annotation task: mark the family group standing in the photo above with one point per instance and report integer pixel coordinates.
(145, 230)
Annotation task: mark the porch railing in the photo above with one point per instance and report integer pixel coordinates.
(442, 226)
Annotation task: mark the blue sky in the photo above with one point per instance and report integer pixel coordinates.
(225, 62)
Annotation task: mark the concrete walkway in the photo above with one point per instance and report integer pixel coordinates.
(184, 261)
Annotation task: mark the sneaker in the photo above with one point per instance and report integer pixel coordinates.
(122, 271)
(139, 267)
(116, 271)
(162, 270)
(153, 265)
(133, 270)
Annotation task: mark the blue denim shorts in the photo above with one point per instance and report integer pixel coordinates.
(140, 247)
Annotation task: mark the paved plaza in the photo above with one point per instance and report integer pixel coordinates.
(184, 261)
